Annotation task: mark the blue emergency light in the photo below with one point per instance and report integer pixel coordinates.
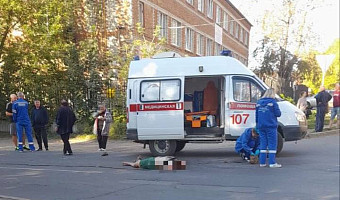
(226, 53)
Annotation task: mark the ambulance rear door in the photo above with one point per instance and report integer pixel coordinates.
(244, 91)
(160, 109)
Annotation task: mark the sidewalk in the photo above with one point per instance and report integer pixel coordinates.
(312, 134)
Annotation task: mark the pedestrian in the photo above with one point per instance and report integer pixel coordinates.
(336, 107)
(22, 120)
(248, 144)
(267, 112)
(39, 121)
(65, 120)
(322, 99)
(303, 105)
(12, 124)
(101, 127)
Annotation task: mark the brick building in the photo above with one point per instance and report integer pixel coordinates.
(195, 27)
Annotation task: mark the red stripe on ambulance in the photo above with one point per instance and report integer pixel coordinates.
(156, 107)
(242, 106)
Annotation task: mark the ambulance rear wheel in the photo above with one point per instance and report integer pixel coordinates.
(162, 147)
(180, 145)
(279, 143)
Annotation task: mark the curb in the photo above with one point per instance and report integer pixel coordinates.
(324, 133)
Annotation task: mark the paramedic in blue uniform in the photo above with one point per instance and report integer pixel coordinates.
(22, 120)
(267, 111)
(248, 144)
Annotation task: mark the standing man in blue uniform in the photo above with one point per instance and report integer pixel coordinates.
(267, 111)
(248, 144)
(322, 99)
(22, 120)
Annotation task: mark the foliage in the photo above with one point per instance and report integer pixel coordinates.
(286, 98)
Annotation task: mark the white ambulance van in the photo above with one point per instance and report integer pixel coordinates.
(179, 100)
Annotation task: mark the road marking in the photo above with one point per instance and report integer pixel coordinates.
(57, 170)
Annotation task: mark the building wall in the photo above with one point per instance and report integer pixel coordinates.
(189, 16)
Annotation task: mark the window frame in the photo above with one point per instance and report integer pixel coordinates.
(207, 47)
(225, 21)
(141, 14)
(163, 20)
(200, 5)
(189, 33)
(210, 9)
(160, 87)
(176, 33)
(199, 44)
(218, 16)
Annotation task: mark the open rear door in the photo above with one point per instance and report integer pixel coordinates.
(160, 109)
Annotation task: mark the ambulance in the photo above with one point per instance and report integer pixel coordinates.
(173, 100)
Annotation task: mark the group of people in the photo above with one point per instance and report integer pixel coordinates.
(21, 120)
(261, 140)
(322, 99)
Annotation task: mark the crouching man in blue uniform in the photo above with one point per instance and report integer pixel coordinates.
(267, 112)
(22, 120)
(248, 144)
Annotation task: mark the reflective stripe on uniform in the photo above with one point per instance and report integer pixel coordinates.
(272, 151)
(20, 143)
(263, 151)
(30, 143)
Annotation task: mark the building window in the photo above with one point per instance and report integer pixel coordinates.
(241, 35)
(236, 30)
(141, 13)
(225, 21)
(176, 33)
(163, 23)
(210, 9)
(189, 35)
(218, 16)
(200, 5)
(218, 49)
(190, 1)
(246, 38)
(209, 47)
(200, 44)
(231, 26)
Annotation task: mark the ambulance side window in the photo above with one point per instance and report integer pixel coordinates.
(241, 90)
(160, 90)
(246, 90)
(150, 91)
(170, 90)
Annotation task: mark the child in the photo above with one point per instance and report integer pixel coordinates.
(248, 144)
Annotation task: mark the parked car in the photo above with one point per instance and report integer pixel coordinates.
(311, 101)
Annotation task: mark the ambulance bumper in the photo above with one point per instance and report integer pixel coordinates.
(294, 132)
(131, 134)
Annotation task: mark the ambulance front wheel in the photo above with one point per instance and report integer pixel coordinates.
(279, 143)
(162, 147)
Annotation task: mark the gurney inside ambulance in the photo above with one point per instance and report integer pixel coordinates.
(202, 109)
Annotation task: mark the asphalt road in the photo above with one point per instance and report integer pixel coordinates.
(310, 171)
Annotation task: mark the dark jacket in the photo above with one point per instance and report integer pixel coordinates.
(65, 120)
(247, 142)
(39, 117)
(267, 111)
(322, 98)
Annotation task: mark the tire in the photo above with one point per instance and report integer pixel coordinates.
(180, 145)
(279, 143)
(162, 147)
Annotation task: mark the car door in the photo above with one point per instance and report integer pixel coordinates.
(244, 93)
(160, 112)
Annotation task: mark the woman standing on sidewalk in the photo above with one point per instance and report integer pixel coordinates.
(101, 127)
(267, 111)
(303, 105)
